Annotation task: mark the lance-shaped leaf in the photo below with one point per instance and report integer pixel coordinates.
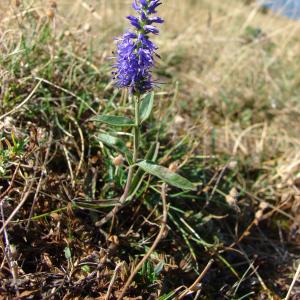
(146, 107)
(138, 177)
(114, 120)
(166, 175)
(115, 143)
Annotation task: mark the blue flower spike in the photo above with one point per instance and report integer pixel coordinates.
(135, 51)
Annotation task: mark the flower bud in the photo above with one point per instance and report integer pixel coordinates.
(178, 120)
(87, 27)
(50, 13)
(118, 161)
(68, 33)
(173, 166)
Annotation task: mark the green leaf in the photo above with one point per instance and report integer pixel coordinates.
(166, 175)
(138, 177)
(68, 253)
(115, 143)
(146, 107)
(114, 120)
(168, 296)
(159, 267)
(86, 268)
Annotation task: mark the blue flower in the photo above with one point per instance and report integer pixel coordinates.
(134, 22)
(135, 51)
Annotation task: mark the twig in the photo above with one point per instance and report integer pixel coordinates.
(7, 191)
(91, 10)
(111, 284)
(244, 234)
(241, 136)
(15, 109)
(193, 287)
(69, 165)
(296, 277)
(26, 193)
(9, 256)
(43, 174)
(3, 89)
(262, 283)
(154, 245)
(21, 14)
(82, 144)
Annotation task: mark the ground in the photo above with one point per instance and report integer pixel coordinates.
(226, 116)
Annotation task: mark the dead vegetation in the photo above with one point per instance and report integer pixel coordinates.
(226, 116)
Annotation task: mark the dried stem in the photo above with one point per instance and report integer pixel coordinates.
(24, 197)
(43, 175)
(154, 245)
(297, 275)
(17, 107)
(193, 287)
(13, 266)
(8, 190)
(111, 284)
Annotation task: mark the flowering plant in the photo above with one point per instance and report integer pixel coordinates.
(134, 61)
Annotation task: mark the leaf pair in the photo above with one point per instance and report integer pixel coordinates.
(149, 167)
(119, 121)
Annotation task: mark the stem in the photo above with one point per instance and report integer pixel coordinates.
(154, 245)
(136, 129)
(136, 138)
(293, 284)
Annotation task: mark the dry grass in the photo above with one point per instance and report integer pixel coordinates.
(230, 94)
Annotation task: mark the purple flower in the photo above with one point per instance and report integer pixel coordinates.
(134, 22)
(135, 51)
(144, 3)
(155, 20)
(150, 28)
